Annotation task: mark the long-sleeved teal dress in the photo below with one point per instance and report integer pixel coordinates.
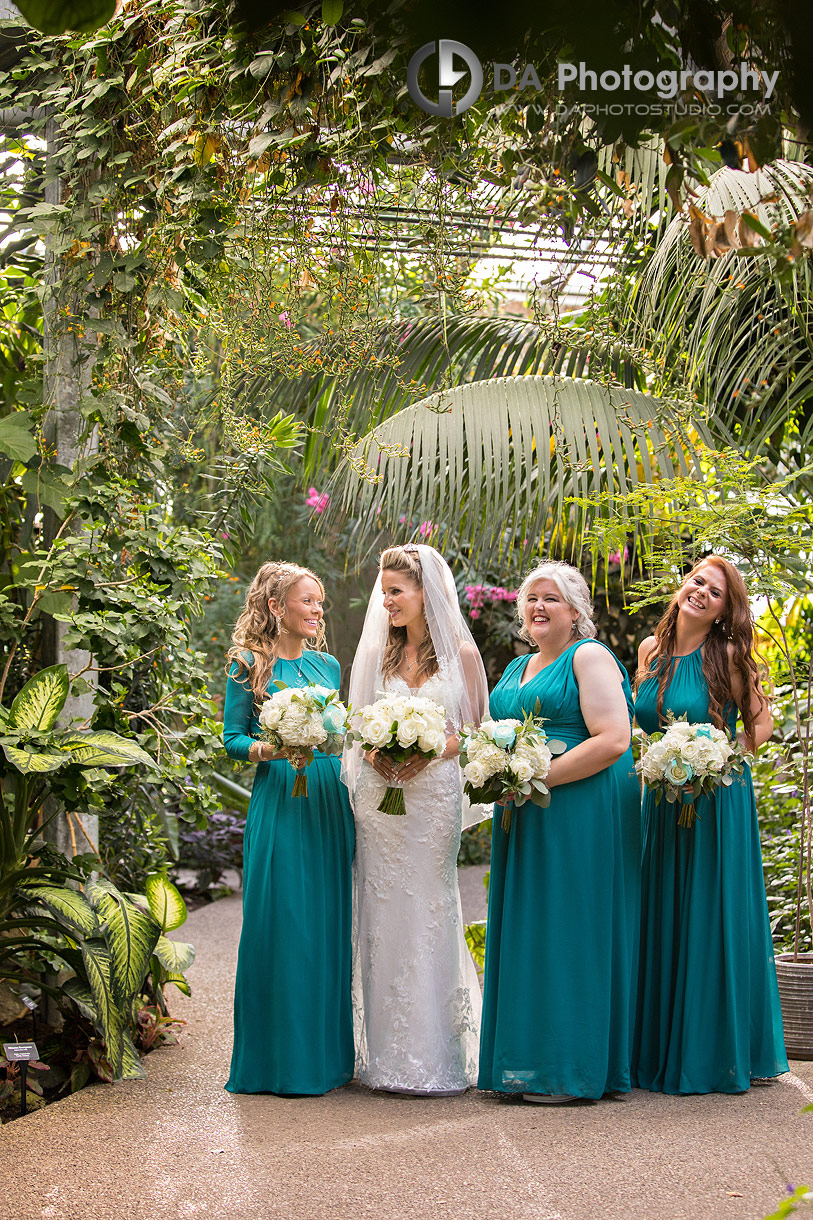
(293, 1022)
(708, 1009)
(562, 913)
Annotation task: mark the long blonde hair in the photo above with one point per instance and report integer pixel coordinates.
(256, 629)
(406, 559)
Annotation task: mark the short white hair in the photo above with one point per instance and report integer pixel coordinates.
(573, 588)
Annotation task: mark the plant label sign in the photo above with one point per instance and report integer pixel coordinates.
(15, 1051)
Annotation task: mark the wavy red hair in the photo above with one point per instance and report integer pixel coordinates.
(729, 644)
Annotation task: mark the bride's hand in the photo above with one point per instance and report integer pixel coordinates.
(381, 765)
(409, 769)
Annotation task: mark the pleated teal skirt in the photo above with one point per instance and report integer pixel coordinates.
(293, 1028)
(556, 1004)
(709, 1019)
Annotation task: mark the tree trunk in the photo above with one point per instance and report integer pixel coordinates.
(66, 380)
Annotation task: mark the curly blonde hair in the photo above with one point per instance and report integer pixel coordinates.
(573, 588)
(406, 559)
(256, 630)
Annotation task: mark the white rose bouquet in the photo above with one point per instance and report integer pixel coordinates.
(298, 719)
(507, 760)
(689, 757)
(400, 727)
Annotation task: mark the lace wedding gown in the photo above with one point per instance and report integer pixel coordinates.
(415, 989)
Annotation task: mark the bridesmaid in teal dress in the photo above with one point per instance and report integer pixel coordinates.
(293, 1024)
(562, 907)
(709, 1019)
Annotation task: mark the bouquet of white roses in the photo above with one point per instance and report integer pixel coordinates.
(298, 719)
(689, 757)
(507, 760)
(401, 727)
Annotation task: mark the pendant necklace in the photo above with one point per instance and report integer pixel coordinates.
(293, 661)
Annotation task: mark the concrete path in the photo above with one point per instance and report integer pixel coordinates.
(177, 1145)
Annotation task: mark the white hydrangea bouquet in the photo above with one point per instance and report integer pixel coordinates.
(696, 757)
(507, 760)
(400, 727)
(298, 719)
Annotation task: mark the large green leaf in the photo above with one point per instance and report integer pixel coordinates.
(40, 701)
(105, 749)
(499, 461)
(110, 1018)
(69, 905)
(130, 934)
(131, 1066)
(175, 956)
(16, 437)
(33, 761)
(422, 353)
(166, 902)
(179, 981)
(57, 16)
(80, 993)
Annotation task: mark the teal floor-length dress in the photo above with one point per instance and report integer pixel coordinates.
(293, 1022)
(562, 913)
(708, 1011)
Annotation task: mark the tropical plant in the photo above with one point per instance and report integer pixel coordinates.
(724, 306)
(115, 944)
(106, 939)
(501, 460)
(35, 749)
(170, 957)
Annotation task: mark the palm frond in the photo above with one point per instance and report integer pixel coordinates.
(497, 461)
(732, 329)
(422, 356)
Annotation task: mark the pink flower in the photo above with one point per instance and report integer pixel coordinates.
(225, 534)
(474, 613)
(318, 502)
(425, 528)
(285, 319)
(616, 557)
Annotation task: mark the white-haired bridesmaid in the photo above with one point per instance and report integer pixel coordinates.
(561, 932)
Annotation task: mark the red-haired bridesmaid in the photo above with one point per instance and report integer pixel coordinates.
(708, 1006)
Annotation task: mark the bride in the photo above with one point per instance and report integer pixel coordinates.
(416, 993)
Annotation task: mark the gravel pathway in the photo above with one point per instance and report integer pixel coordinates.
(177, 1145)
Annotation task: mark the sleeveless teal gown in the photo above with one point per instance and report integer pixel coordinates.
(709, 1019)
(562, 913)
(293, 1021)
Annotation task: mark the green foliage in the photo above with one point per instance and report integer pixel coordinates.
(513, 457)
(778, 787)
(107, 941)
(765, 527)
(57, 16)
(800, 1199)
(476, 941)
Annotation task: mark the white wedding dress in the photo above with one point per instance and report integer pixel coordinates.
(416, 993)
